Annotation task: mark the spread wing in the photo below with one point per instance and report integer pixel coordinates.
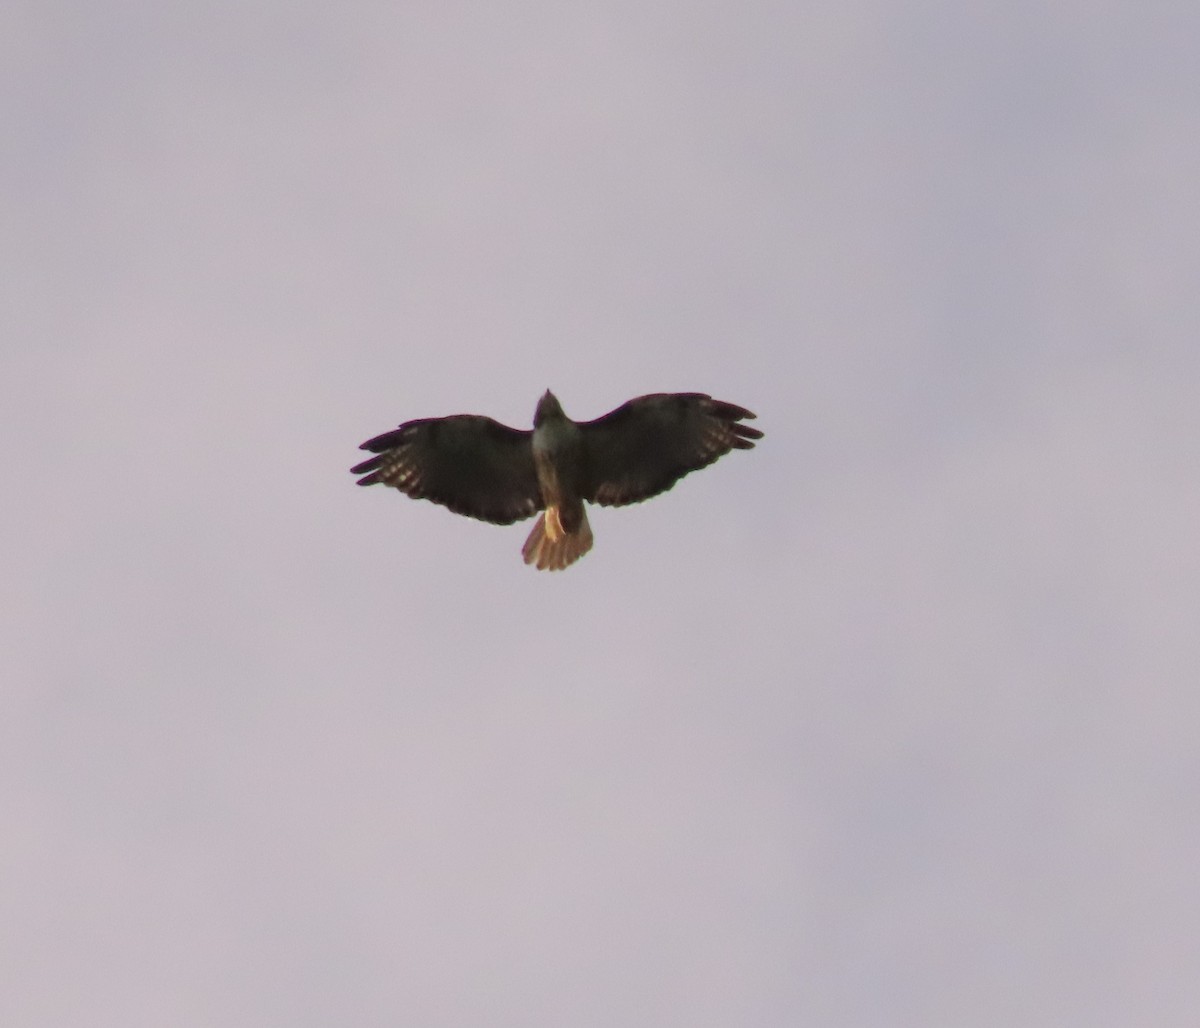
(646, 445)
(469, 463)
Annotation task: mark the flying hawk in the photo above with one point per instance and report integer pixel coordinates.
(486, 470)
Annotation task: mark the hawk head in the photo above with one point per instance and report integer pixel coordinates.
(548, 407)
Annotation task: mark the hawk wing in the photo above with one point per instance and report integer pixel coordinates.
(646, 445)
(469, 463)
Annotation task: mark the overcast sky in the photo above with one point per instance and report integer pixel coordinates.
(890, 721)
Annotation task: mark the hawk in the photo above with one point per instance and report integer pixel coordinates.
(483, 469)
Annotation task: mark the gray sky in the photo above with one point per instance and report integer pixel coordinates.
(891, 721)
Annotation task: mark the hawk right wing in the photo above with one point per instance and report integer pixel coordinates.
(469, 463)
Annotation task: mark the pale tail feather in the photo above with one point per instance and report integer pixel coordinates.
(556, 549)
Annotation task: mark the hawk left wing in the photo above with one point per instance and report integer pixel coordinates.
(646, 445)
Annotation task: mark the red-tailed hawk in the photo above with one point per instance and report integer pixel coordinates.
(486, 470)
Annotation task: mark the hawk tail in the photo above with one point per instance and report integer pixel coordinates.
(551, 547)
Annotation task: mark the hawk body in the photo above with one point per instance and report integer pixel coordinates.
(480, 468)
(562, 535)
